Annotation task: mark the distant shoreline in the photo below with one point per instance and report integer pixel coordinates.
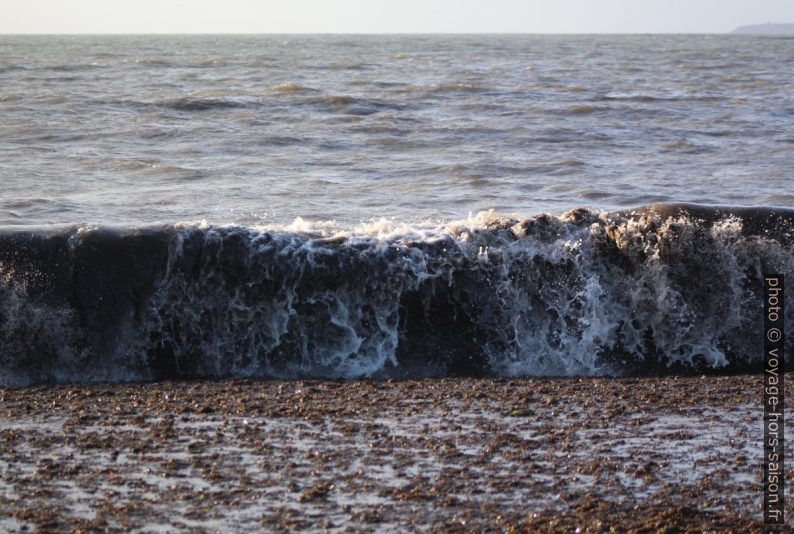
(765, 29)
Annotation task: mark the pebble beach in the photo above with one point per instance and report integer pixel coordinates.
(671, 454)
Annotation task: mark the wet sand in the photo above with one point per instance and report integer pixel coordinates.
(600, 455)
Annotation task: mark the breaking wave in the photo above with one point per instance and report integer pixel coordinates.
(656, 290)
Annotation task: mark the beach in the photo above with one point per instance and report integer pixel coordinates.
(664, 454)
(402, 282)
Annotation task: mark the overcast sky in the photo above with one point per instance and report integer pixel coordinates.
(377, 16)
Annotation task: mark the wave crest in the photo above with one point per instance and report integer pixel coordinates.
(661, 289)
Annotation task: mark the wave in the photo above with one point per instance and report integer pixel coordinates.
(12, 68)
(354, 106)
(666, 288)
(67, 68)
(200, 104)
(450, 87)
(584, 109)
(291, 88)
(641, 97)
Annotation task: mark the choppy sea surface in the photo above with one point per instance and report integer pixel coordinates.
(264, 129)
(372, 206)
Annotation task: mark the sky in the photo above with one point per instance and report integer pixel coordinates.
(388, 16)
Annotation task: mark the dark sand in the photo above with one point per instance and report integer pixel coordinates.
(600, 455)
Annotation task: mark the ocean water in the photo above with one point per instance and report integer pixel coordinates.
(350, 206)
(264, 129)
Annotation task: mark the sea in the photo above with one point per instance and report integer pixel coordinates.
(347, 206)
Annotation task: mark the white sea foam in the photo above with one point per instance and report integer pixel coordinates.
(587, 293)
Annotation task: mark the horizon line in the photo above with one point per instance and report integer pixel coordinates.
(360, 33)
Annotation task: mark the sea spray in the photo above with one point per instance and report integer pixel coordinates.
(661, 289)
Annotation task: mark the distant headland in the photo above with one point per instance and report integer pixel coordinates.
(766, 29)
